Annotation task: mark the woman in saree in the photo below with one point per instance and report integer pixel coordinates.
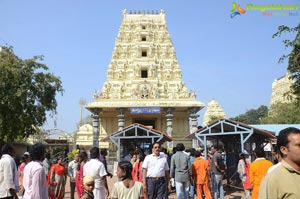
(79, 173)
(57, 180)
(243, 170)
(24, 160)
(137, 170)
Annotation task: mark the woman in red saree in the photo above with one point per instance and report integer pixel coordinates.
(79, 174)
(137, 174)
(57, 180)
(243, 170)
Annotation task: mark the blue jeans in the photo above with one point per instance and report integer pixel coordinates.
(182, 189)
(217, 186)
(192, 192)
(157, 188)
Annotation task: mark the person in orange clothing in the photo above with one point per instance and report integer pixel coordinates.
(137, 170)
(200, 176)
(258, 169)
(57, 180)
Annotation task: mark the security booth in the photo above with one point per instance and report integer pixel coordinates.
(136, 135)
(235, 137)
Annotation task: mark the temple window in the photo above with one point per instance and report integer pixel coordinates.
(144, 38)
(144, 73)
(144, 53)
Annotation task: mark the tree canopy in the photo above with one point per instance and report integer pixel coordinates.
(252, 116)
(293, 57)
(27, 93)
(279, 113)
(283, 113)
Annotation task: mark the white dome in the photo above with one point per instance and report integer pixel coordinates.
(86, 128)
(214, 110)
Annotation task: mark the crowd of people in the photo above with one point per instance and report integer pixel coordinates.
(144, 175)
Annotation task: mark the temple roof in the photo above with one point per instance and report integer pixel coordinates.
(143, 103)
(85, 128)
(214, 111)
(144, 70)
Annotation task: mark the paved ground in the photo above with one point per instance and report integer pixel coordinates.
(230, 193)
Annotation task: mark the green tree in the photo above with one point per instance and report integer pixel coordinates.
(27, 93)
(214, 118)
(293, 58)
(72, 153)
(252, 116)
(283, 113)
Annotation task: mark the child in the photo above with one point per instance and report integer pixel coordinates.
(127, 188)
(88, 183)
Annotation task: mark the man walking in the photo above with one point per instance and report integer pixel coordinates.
(217, 172)
(129, 155)
(72, 167)
(47, 164)
(200, 175)
(34, 180)
(181, 170)
(258, 169)
(156, 174)
(284, 181)
(9, 185)
(102, 158)
(96, 169)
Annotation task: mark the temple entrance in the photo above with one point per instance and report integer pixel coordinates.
(136, 135)
(147, 123)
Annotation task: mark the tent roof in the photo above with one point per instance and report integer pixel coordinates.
(139, 131)
(226, 126)
(274, 127)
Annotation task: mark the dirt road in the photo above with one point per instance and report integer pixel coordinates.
(230, 193)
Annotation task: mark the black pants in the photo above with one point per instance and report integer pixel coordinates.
(72, 187)
(157, 189)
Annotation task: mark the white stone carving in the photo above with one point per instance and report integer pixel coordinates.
(164, 77)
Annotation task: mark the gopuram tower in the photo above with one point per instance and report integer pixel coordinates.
(144, 83)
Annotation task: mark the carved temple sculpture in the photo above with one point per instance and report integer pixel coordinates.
(144, 72)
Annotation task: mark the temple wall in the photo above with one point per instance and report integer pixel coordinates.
(109, 124)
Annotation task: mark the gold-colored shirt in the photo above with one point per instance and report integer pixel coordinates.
(283, 183)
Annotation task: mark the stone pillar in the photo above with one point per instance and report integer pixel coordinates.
(121, 119)
(169, 120)
(95, 118)
(121, 125)
(194, 124)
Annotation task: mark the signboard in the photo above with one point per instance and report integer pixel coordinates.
(145, 110)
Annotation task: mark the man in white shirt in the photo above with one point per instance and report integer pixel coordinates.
(47, 164)
(96, 169)
(34, 179)
(9, 185)
(156, 174)
(72, 174)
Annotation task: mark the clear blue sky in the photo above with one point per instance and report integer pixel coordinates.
(232, 60)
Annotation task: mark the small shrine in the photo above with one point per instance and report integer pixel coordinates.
(213, 112)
